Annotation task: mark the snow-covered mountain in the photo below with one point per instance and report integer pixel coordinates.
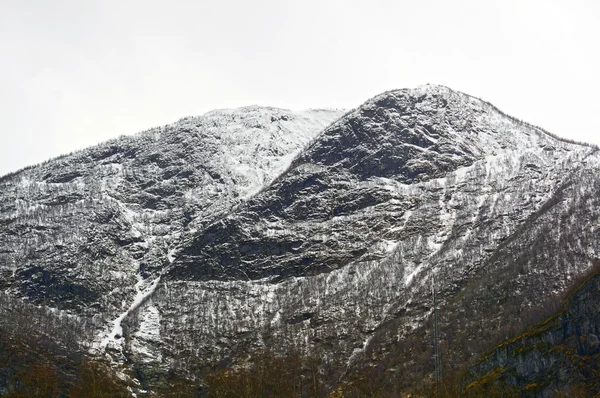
(204, 241)
(91, 232)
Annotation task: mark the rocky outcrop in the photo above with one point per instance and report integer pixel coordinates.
(89, 232)
(561, 353)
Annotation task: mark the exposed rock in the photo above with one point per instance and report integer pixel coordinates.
(559, 353)
(86, 232)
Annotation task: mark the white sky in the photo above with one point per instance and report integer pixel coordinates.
(75, 73)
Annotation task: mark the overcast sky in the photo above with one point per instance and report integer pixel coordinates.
(75, 73)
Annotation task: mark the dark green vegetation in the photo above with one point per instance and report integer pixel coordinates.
(561, 352)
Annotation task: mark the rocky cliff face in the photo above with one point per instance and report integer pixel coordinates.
(560, 353)
(204, 241)
(91, 232)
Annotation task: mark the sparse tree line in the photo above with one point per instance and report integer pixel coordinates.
(36, 360)
(41, 355)
(516, 268)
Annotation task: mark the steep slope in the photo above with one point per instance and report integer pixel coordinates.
(335, 257)
(91, 232)
(369, 158)
(521, 274)
(562, 352)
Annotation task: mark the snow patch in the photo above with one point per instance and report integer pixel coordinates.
(114, 338)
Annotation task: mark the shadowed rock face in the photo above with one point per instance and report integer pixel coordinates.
(328, 253)
(561, 352)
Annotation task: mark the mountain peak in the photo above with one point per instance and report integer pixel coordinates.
(256, 110)
(422, 133)
(247, 109)
(418, 91)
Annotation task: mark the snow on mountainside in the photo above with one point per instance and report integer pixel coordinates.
(375, 156)
(335, 257)
(204, 241)
(88, 231)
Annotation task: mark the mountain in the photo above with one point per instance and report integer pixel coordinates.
(196, 245)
